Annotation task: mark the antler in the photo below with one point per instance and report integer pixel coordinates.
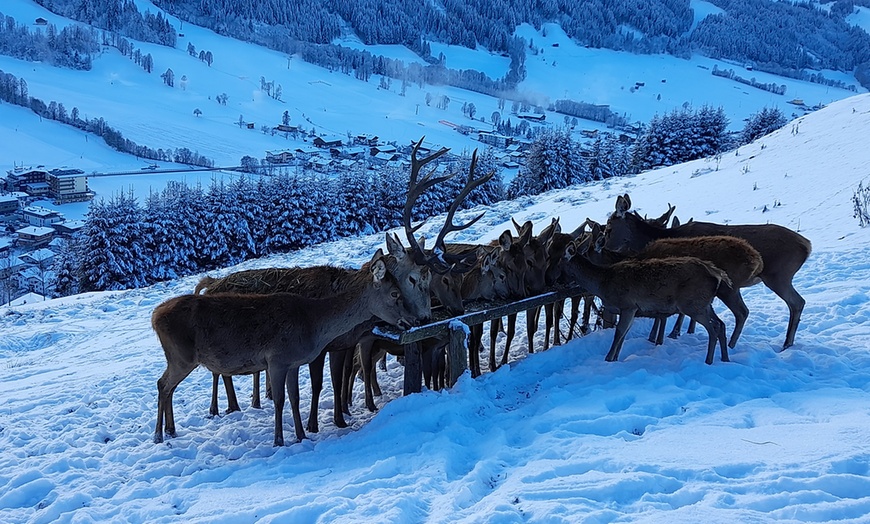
(440, 260)
(449, 227)
(415, 189)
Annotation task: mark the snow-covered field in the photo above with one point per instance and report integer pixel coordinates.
(559, 436)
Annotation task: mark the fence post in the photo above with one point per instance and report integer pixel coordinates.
(457, 352)
(413, 369)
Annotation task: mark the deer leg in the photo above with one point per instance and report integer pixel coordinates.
(232, 401)
(376, 387)
(511, 331)
(336, 374)
(715, 333)
(532, 318)
(494, 327)
(349, 375)
(293, 393)
(255, 394)
(278, 378)
(657, 322)
(678, 326)
(660, 334)
(268, 385)
(588, 302)
(213, 409)
(315, 372)
(367, 365)
(166, 385)
(382, 363)
(548, 325)
(474, 346)
(626, 317)
(733, 300)
(558, 311)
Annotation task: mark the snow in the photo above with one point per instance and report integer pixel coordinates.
(860, 17)
(152, 114)
(557, 436)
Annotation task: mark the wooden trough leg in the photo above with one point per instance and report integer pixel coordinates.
(413, 369)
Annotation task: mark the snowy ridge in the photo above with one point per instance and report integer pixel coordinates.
(559, 436)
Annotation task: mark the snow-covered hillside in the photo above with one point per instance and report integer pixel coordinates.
(150, 113)
(559, 436)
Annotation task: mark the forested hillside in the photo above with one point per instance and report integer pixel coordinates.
(780, 37)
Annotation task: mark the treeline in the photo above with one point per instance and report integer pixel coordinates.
(14, 90)
(556, 161)
(72, 47)
(185, 230)
(730, 74)
(790, 36)
(117, 16)
(806, 36)
(594, 112)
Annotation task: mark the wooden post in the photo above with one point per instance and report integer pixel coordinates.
(413, 369)
(457, 352)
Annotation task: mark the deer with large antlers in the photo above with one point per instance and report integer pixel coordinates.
(782, 250)
(232, 334)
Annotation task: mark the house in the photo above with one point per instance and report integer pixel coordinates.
(35, 236)
(285, 128)
(327, 142)
(589, 133)
(319, 163)
(304, 153)
(494, 139)
(41, 257)
(40, 21)
(35, 279)
(534, 117)
(249, 125)
(385, 148)
(66, 228)
(366, 140)
(8, 204)
(68, 185)
(9, 266)
(280, 156)
(384, 158)
(20, 176)
(41, 216)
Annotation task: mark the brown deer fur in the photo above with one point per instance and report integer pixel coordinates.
(233, 334)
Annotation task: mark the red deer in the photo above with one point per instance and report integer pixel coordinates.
(232, 334)
(782, 250)
(653, 287)
(316, 282)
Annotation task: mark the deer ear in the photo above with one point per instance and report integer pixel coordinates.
(395, 247)
(505, 240)
(623, 204)
(675, 222)
(379, 270)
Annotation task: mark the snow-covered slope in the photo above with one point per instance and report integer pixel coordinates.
(559, 436)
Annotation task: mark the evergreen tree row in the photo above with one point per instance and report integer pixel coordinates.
(184, 230)
(117, 16)
(806, 36)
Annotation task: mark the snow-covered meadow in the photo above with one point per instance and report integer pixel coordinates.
(559, 436)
